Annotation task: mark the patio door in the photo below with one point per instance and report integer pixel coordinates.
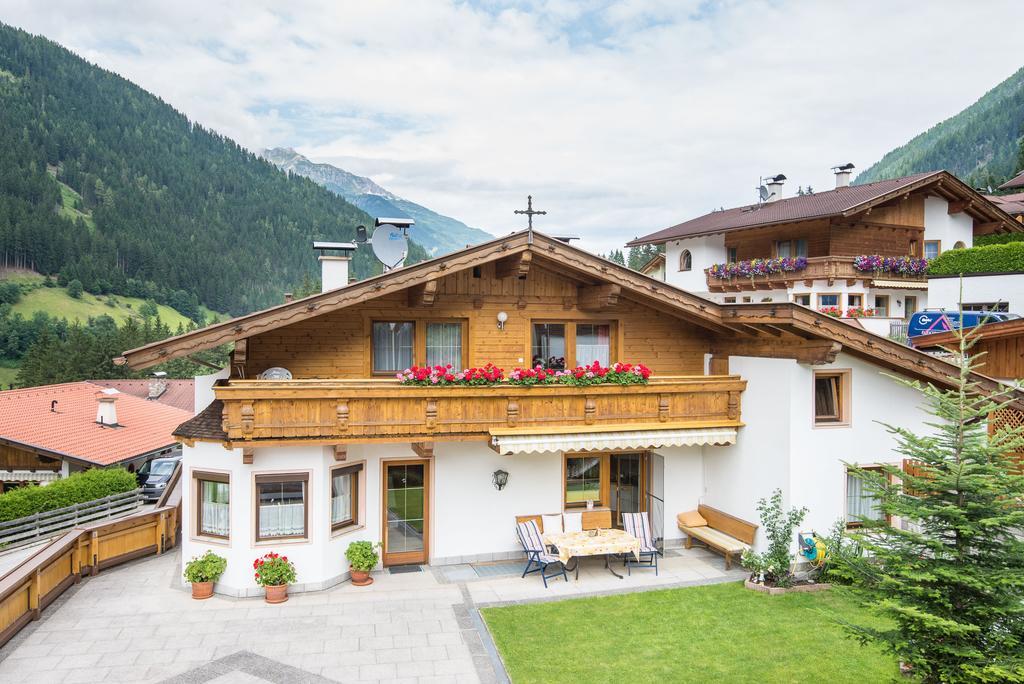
(406, 512)
(627, 485)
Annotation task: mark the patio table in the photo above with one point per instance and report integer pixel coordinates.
(605, 543)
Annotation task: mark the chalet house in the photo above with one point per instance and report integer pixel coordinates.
(822, 246)
(741, 400)
(51, 431)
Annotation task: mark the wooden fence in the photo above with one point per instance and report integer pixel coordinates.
(84, 551)
(32, 528)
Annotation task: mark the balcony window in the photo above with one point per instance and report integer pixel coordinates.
(345, 496)
(831, 398)
(392, 346)
(549, 345)
(826, 300)
(444, 344)
(791, 248)
(282, 506)
(213, 509)
(732, 255)
(593, 343)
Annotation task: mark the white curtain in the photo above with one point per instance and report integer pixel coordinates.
(216, 508)
(444, 344)
(282, 520)
(592, 344)
(860, 505)
(392, 346)
(341, 498)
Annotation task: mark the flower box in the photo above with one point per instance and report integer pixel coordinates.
(594, 374)
(753, 268)
(903, 265)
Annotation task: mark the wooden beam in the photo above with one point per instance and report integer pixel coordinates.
(719, 365)
(423, 449)
(340, 452)
(987, 227)
(814, 352)
(423, 294)
(960, 206)
(248, 455)
(515, 266)
(597, 297)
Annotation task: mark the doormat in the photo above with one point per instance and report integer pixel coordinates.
(402, 569)
(498, 569)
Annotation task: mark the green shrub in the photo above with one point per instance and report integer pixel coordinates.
(206, 568)
(998, 239)
(362, 555)
(1008, 258)
(78, 488)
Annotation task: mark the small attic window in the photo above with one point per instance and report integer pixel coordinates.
(476, 271)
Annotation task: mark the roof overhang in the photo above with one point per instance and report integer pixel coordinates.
(610, 437)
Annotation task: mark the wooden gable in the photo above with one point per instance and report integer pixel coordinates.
(337, 344)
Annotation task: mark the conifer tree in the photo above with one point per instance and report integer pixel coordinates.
(948, 576)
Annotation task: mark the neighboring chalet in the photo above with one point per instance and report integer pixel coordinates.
(742, 400)
(177, 393)
(999, 347)
(822, 235)
(51, 431)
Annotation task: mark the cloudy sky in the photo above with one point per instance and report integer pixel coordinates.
(620, 118)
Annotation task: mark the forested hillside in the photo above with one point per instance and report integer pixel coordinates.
(980, 144)
(104, 183)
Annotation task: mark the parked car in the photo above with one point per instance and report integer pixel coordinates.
(931, 321)
(154, 476)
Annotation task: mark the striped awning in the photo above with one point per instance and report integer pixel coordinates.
(507, 442)
(900, 284)
(29, 475)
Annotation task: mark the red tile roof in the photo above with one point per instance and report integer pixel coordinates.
(1015, 182)
(799, 208)
(179, 393)
(1012, 204)
(71, 430)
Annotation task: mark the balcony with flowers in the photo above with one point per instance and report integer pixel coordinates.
(782, 273)
(441, 402)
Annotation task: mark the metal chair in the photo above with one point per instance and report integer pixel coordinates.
(536, 554)
(638, 525)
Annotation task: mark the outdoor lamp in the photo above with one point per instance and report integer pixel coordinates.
(500, 479)
(502, 317)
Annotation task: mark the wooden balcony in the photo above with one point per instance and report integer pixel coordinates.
(340, 411)
(830, 268)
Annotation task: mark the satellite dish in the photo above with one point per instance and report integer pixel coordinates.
(389, 245)
(763, 193)
(360, 234)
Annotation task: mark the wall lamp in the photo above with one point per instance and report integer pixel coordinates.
(500, 479)
(502, 317)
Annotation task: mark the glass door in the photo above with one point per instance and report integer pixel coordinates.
(626, 485)
(406, 512)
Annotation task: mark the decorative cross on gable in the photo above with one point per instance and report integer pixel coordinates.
(530, 212)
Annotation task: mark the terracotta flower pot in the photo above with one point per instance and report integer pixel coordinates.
(202, 590)
(360, 578)
(277, 593)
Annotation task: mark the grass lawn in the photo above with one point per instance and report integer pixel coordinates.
(8, 372)
(720, 632)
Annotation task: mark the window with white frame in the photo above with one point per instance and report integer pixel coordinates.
(803, 299)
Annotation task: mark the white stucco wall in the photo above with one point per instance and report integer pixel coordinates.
(944, 293)
(704, 251)
(948, 228)
(202, 387)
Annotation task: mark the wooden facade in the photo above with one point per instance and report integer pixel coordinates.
(13, 457)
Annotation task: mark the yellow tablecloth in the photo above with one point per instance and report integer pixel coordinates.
(577, 544)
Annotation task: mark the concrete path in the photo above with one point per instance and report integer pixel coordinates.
(136, 624)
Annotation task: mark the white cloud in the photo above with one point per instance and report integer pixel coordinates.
(620, 119)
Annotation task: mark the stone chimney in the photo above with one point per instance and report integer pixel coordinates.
(106, 407)
(334, 260)
(774, 186)
(157, 385)
(843, 174)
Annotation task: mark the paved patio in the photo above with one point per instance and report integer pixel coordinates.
(135, 623)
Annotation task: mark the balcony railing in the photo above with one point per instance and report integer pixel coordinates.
(382, 410)
(830, 268)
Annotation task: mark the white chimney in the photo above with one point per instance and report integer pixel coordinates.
(774, 186)
(106, 409)
(843, 174)
(334, 267)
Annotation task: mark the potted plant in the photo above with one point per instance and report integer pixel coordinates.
(203, 571)
(362, 558)
(274, 573)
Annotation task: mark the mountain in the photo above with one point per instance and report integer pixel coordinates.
(437, 233)
(980, 144)
(103, 182)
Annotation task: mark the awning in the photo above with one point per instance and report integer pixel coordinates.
(29, 475)
(900, 284)
(507, 442)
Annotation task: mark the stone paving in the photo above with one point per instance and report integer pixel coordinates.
(136, 623)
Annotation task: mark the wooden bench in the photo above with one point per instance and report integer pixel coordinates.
(724, 533)
(592, 520)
